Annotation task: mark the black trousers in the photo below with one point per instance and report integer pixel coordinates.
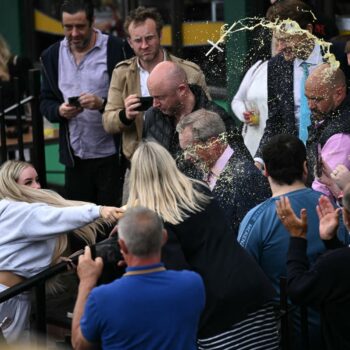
(95, 180)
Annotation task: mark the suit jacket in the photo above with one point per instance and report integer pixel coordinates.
(280, 94)
(239, 188)
(280, 103)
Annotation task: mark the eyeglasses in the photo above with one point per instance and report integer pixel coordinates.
(147, 39)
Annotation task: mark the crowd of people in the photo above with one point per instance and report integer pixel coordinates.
(205, 213)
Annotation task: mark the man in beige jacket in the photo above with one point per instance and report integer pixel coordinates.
(129, 80)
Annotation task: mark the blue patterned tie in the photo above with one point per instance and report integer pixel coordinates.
(304, 121)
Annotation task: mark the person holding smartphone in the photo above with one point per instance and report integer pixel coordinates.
(124, 110)
(76, 74)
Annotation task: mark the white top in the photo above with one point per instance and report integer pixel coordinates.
(144, 74)
(29, 232)
(252, 95)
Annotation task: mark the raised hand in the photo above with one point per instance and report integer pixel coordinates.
(295, 226)
(329, 218)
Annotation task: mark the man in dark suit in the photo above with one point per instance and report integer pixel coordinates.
(299, 55)
(231, 175)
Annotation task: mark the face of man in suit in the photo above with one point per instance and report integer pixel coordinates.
(294, 44)
(201, 152)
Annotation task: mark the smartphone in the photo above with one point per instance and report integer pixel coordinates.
(146, 102)
(74, 101)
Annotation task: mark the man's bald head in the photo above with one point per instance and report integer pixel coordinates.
(325, 90)
(167, 74)
(168, 85)
(327, 76)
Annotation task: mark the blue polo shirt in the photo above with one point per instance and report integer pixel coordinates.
(156, 310)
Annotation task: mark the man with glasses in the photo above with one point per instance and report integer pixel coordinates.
(75, 80)
(129, 81)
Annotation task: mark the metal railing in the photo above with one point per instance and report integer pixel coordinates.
(107, 249)
(37, 283)
(38, 142)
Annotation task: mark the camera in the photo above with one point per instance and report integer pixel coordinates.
(74, 101)
(146, 102)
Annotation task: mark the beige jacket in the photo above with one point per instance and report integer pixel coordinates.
(126, 81)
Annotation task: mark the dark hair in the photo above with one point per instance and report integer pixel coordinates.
(296, 10)
(284, 157)
(140, 14)
(74, 6)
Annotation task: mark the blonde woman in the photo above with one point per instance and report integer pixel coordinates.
(236, 289)
(33, 223)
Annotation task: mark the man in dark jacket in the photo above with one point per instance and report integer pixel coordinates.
(299, 54)
(75, 81)
(174, 98)
(233, 178)
(329, 133)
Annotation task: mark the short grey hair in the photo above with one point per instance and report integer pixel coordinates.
(141, 229)
(205, 124)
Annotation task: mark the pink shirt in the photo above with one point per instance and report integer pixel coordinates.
(218, 167)
(335, 151)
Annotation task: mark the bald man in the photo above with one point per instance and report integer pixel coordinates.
(129, 79)
(174, 98)
(329, 132)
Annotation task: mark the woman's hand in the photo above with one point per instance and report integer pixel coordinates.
(111, 213)
(295, 226)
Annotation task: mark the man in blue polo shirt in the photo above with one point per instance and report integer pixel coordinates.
(149, 307)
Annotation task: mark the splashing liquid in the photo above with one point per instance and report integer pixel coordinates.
(287, 27)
